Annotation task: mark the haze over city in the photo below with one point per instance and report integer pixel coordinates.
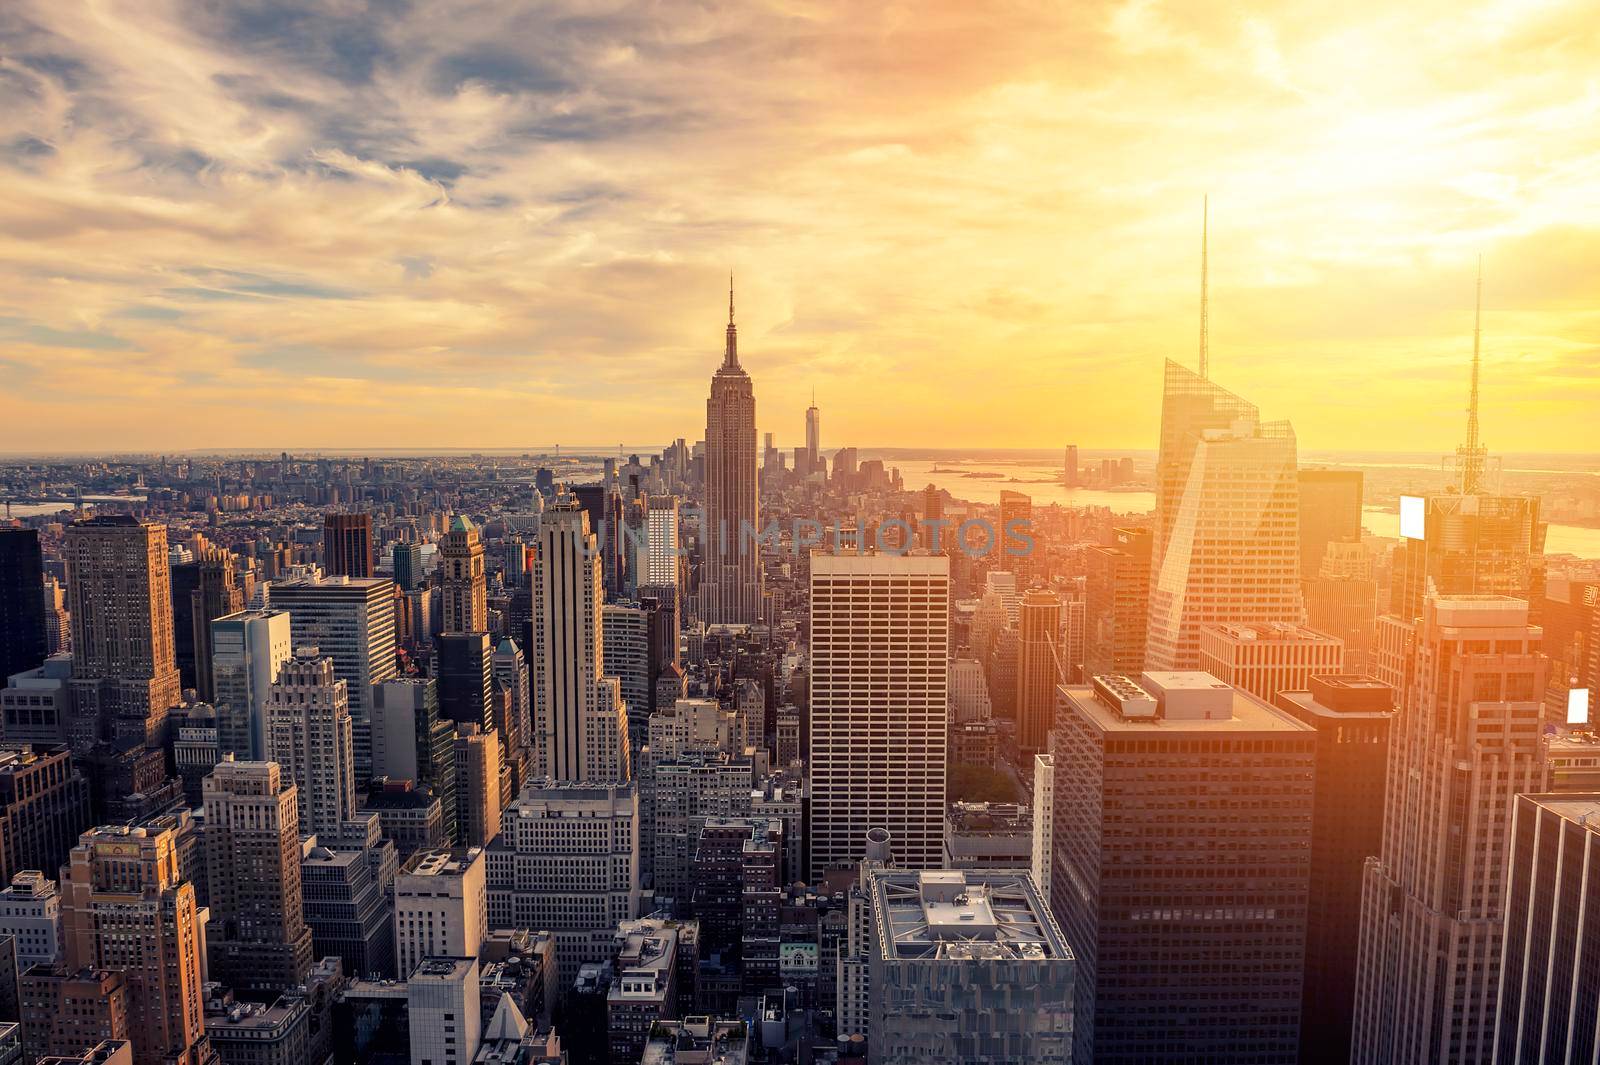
(963, 225)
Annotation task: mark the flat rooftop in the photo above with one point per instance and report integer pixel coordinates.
(1582, 808)
(1271, 632)
(963, 915)
(1249, 715)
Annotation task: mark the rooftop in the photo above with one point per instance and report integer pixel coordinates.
(964, 915)
(1272, 632)
(1245, 713)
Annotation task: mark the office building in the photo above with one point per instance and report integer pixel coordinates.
(1225, 545)
(1016, 522)
(510, 670)
(878, 747)
(731, 585)
(580, 720)
(969, 966)
(813, 434)
(1265, 659)
(347, 545)
(352, 621)
(412, 740)
(645, 990)
(1549, 987)
(969, 692)
(1044, 819)
(464, 666)
(125, 905)
(440, 908)
(1116, 609)
(276, 1032)
(257, 941)
(124, 670)
(347, 906)
(443, 1010)
(309, 737)
(1466, 740)
(36, 705)
(1183, 825)
(626, 648)
(1342, 601)
(479, 797)
(463, 594)
(44, 807)
(684, 791)
(1330, 513)
(213, 593)
(23, 645)
(69, 1011)
(1352, 716)
(1040, 669)
(567, 860)
(247, 650)
(409, 569)
(30, 913)
(410, 816)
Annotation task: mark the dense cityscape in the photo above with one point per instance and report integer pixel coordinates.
(731, 754)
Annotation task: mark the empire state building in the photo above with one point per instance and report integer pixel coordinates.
(730, 575)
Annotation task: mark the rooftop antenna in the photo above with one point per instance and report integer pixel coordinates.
(1205, 338)
(1471, 456)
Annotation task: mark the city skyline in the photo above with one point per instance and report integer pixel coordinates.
(289, 221)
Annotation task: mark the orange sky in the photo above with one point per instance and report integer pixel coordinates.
(389, 224)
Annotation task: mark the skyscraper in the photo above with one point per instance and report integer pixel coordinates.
(258, 940)
(1183, 817)
(351, 620)
(125, 906)
(347, 545)
(22, 632)
(203, 589)
(309, 736)
(511, 672)
(813, 429)
(463, 592)
(1267, 659)
(730, 568)
(1226, 506)
(1039, 669)
(1465, 741)
(878, 744)
(440, 907)
(663, 566)
(1116, 609)
(478, 793)
(464, 668)
(580, 720)
(626, 649)
(1330, 513)
(1069, 467)
(124, 670)
(1016, 517)
(247, 650)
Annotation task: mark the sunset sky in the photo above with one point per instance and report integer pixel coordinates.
(301, 223)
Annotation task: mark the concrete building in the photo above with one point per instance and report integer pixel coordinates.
(412, 740)
(463, 587)
(440, 907)
(22, 628)
(988, 835)
(1330, 513)
(1117, 604)
(352, 621)
(1153, 782)
(442, 1011)
(478, 779)
(626, 656)
(1044, 819)
(878, 749)
(969, 692)
(44, 807)
(645, 990)
(966, 966)
(567, 860)
(119, 593)
(1269, 658)
(309, 735)
(125, 906)
(731, 577)
(347, 545)
(1466, 741)
(580, 720)
(247, 650)
(36, 705)
(258, 1033)
(684, 792)
(347, 907)
(1040, 668)
(69, 1010)
(30, 913)
(1227, 502)
(698, 1039)
(257, 941)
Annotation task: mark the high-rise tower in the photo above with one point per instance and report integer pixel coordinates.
(308, 735)
(730, 573)
(22, 631)
(1227, 503)
(813, 432)
(465, 603)
(347, 545)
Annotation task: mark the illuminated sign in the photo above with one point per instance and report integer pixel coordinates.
(1413, 517)
(1578, 706)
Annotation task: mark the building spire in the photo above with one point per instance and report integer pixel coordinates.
(730, 353)
(1205, 325)
(1471, 457)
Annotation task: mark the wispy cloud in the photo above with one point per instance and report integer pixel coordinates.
(511, 223)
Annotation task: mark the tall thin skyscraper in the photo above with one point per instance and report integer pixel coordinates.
(813, 432)
(1465, 742)
(1116, 608)
(730, 569)
(22, 632)
(663, 566)
(880, 660)
(258, 940)
(580, 720)
(464, 597)
(1039, 669)
(347, 545)
(1226, 538)
(216, 594)
(308, 735)
(1016, 516)
(248, 649)
(124, 669)
(125, 906)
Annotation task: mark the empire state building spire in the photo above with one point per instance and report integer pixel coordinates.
(730, 354)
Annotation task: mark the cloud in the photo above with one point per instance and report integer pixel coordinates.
(965, 224)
